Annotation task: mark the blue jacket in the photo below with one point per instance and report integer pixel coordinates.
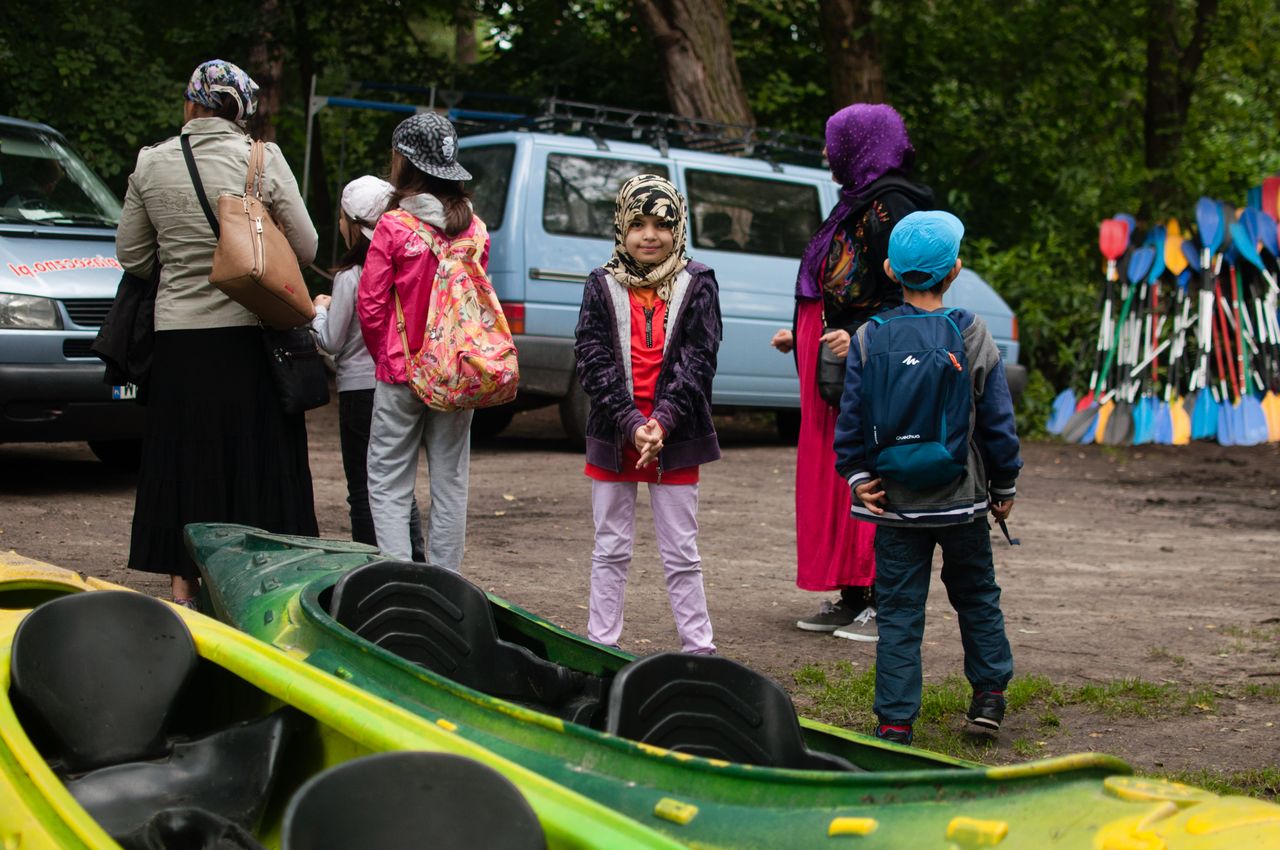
(994, 460)
(682, 403)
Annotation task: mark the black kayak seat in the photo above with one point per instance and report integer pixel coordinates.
(411, 801)
(97, 676)
(190, 828)
(711, 706)
(435, 618)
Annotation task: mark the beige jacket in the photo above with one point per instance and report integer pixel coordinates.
(161, 214)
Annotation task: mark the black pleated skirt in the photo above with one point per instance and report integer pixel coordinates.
(218, 448)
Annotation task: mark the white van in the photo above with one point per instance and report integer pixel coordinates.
(58, 277)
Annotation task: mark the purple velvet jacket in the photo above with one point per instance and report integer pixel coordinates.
(682, 402)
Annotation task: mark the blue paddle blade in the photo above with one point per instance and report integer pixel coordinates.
(1255, 198)
(1251, 218)
(1140, 263)
(1204, 416)
(1193, 256)
(1244, 244)
(1162, 435)
(1228, 214)
(1252, 423)
(1129, 220)
(1156, 239)
(1143, 421)
(1227, 425)
(1267, 234)
(1184, 279)
(1063, 406)
(1209, 220)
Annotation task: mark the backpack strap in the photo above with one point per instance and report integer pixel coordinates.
(195, 181)
(440, 246)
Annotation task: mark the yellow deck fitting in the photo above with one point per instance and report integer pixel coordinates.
(853, 826)
(447, 725)
(971, 832)
(675, 811)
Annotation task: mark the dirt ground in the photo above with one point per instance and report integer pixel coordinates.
(1154, 563)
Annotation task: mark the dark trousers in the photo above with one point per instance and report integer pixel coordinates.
(904, 558)
(355, 412)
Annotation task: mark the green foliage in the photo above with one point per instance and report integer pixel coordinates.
(1263, 783)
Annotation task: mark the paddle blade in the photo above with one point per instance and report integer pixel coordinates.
(1113, 238)
(1251, 424)
(1064, 404)
(1080, 427)
(1086, 401)
(1267, 234)
(1271, 409)
(1118, 429)
(1162, 430)
(1204, 417)
(1209, 220)
(1156, 240)
(1270, 193)
(1181, 423)
(1140, 263)
(1130, 223)
(1144, 422)
(1243, 243)
(1173, 257)
(1191, 255)
(1227, 425)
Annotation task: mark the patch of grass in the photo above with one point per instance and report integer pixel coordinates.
(1263, 783)
(1025, 748)
(1159, 653)
(1270, 693)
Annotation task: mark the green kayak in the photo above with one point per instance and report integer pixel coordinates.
(743, 772)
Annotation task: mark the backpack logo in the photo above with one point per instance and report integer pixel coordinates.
(916, 399)
(468, 358)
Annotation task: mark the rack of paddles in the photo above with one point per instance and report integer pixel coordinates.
(1188, 341)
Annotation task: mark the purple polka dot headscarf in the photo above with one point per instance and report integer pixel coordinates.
(215, 80)
(865, 142)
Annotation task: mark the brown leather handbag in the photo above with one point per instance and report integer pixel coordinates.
(254, 265)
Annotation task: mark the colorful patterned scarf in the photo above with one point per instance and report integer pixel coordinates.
(215, 80)
(649, 194)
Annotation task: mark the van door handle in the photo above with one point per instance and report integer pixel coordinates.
(557, 274)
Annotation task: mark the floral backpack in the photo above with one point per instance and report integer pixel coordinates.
(468, 358)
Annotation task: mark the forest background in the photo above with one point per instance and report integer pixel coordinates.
(1032, 119)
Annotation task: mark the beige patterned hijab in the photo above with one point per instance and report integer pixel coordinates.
(649, 194)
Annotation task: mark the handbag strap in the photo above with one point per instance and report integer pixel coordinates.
(195, 180)
(404, 337)
(255, 176)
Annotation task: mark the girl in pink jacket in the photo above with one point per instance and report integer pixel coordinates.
(428, 195)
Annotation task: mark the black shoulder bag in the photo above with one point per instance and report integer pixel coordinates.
(296, 365)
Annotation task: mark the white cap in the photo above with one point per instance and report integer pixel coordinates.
(364, 200)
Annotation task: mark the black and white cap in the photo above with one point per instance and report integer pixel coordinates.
(430, 142)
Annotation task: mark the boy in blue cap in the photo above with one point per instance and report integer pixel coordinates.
(925, 482)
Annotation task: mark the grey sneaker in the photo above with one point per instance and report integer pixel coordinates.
(862, 628)
(831, 616)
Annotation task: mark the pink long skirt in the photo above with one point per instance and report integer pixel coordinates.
(833, 549)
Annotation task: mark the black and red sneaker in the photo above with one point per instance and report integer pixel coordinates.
(897, 733)
(987, 710)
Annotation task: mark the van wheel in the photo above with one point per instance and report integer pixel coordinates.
(788, 425)
(120, 455)
(487, 423)
(573, 414)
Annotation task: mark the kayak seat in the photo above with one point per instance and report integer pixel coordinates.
(408, 801)
(436, 619)
(710, 706)
(189, 827)
(96, 677)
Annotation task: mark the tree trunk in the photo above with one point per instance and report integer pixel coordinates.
(853, 56)
(266, 66)
(1171, 75)
(464, 33)
(698, 65)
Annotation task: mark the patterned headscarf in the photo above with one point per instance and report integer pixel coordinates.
(215, 80)
(649, 194)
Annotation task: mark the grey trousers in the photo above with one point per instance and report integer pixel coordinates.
(401, 422)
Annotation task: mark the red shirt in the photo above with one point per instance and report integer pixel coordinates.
(648, 333)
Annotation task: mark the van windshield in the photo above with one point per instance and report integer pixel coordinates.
(43, 182)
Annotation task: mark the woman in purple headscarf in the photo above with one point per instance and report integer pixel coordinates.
(842, 284)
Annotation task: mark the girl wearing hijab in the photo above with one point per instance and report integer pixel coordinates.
(842, 283)
(218, 445)
(650, 391)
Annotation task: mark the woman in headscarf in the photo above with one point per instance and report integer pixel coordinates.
(218, 446)
(842, 283)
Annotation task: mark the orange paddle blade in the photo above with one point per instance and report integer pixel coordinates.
(1181, 422)
(1174, 260)
(1271, 410)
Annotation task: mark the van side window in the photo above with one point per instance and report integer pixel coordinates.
(581, 192)
(490, 168)
(752, 216)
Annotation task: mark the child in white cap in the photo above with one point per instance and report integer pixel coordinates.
(337, 330)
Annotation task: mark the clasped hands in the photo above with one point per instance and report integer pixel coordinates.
(648, 441)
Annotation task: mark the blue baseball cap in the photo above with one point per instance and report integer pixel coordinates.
(923, 248)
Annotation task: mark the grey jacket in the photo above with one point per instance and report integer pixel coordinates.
(162, 216)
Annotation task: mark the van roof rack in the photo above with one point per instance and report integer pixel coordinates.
(662, 130)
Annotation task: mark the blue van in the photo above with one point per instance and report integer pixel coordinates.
(58, 277)
(548, 200)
